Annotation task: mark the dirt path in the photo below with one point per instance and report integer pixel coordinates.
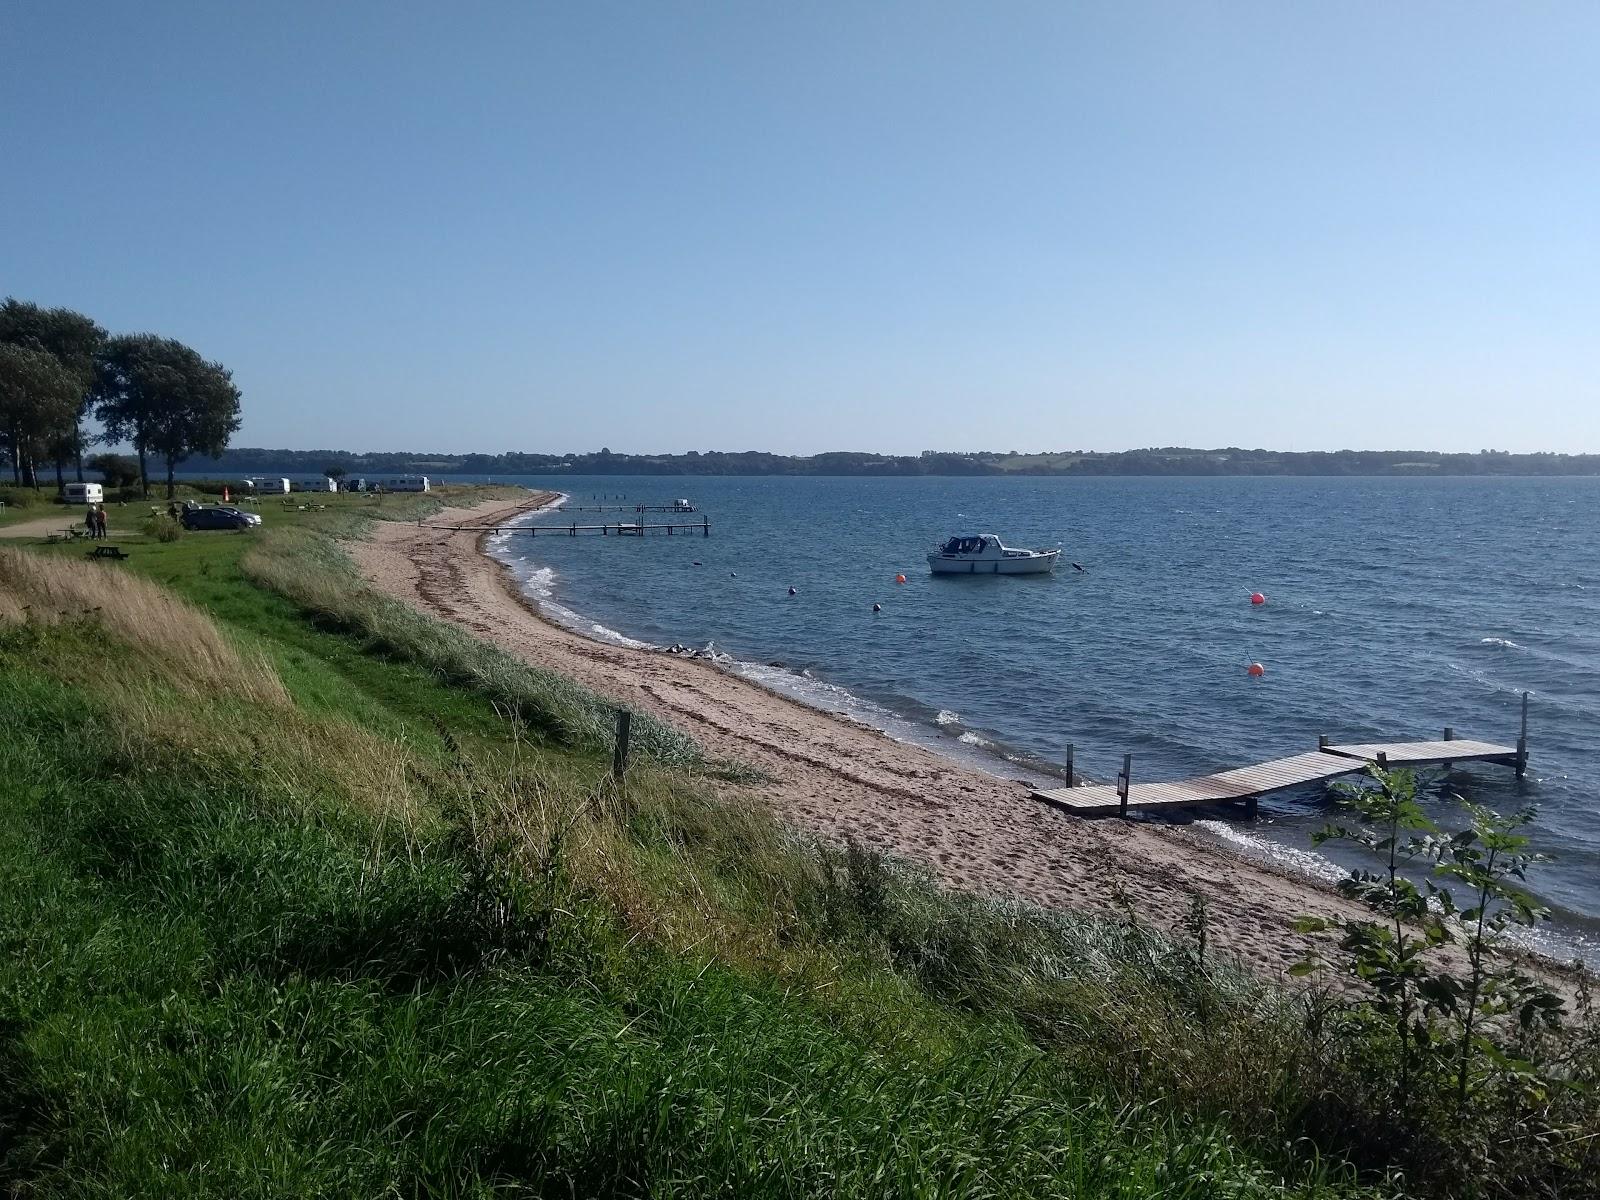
(837, 779)
(42, 527)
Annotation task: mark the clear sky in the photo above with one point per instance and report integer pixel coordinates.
(804, 226)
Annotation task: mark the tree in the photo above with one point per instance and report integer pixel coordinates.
(75, 341)
(37, 400)
(117, 470)
(335, 471)
(167, 400)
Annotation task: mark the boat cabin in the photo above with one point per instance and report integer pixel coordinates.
(969, 545)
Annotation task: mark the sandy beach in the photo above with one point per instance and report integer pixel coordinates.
(836, 779)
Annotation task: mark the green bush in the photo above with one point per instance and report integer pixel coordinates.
(162, 528)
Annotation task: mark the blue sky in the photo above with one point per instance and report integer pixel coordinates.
(798, 227)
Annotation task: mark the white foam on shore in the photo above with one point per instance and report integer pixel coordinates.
(1302, 862)
(970, 749)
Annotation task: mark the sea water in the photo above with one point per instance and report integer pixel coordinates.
(1395, 607)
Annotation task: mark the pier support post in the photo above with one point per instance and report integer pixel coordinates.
(1522, 740)
(1449, 733)
(1069, 764)
(619, 754)
(1383, 761)
(706, 527)
(1123, 782)
(1322, 741)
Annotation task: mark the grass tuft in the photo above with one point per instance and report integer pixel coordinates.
(157, 632)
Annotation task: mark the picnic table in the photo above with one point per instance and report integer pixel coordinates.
(116, 552)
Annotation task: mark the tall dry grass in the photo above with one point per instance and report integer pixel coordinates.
(172, 639)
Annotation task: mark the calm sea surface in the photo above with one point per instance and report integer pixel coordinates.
(1396, 607)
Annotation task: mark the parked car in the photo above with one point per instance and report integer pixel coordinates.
(218, 518)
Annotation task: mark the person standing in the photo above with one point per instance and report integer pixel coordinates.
(100, 522)
(88, 521)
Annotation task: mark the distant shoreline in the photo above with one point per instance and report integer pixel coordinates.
(1162, 462)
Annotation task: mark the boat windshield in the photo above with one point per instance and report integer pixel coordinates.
(965, 545)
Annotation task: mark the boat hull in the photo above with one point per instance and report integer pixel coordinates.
(1038, 564)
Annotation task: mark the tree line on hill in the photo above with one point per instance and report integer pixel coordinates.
(59, 369)
(1169, 460)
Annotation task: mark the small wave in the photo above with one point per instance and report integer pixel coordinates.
(973, 739)
(616, 639)
(541, 581)
(720, 657)
(1304, 862)
(1479, 677)
(1494, 641)
(946, 717)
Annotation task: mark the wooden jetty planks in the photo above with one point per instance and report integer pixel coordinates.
(1241, 783)
(1410, 753)
(1249, 783)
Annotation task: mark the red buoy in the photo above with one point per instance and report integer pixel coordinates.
(1257, 670)
(899, 578)
(1257, 598)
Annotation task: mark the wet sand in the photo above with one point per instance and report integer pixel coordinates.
(836, 779)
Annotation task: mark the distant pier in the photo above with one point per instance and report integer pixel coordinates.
(633, 508)
(701, 528)
(1249, 784)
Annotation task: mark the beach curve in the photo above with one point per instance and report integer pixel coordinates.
(834, 778)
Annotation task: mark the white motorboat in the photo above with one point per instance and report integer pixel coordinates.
(986, 554)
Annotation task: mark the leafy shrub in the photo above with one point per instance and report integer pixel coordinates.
(162, 529)
(1466, 1062)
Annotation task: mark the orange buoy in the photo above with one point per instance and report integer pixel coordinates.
(1257, 670)
(899, 578)
(1257, 598)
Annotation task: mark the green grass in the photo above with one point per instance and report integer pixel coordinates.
(216, 985)
(400, 934)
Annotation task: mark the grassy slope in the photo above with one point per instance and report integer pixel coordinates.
(380, 938)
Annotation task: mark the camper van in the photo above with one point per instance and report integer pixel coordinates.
(270, 487)
(406, 483)
(83, 493)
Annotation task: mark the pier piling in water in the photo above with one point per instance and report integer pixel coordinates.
(1522, 740)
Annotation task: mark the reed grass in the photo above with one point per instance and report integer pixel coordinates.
(166, 637)
(311, 571)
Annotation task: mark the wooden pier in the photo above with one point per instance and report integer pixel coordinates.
(621, 529)
(1249, 784)
(633, 508)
